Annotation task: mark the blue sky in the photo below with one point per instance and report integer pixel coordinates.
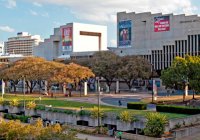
(41, 16)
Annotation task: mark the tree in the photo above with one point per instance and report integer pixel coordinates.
(183, 71)
(132, 68)
(35, 69)
(106, 64)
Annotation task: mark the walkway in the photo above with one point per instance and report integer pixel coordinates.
(89, 137)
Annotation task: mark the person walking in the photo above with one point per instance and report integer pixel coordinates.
(120, 102)
(119, 135)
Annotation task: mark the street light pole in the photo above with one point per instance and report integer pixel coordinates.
(152, 80)
(98, 102)
(24, 92)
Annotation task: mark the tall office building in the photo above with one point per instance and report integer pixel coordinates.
(23, 44)
(157, 37)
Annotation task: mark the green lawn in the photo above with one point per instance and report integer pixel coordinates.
(60, 103)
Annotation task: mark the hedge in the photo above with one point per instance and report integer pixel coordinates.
(177, 109)
(137, 105)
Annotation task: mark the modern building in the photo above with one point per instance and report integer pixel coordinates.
(73, 38)
(158, 37)
(1, 48)
(22, 44)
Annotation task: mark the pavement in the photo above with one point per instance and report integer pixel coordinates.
(89, 137)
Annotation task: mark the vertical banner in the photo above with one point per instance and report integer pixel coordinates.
(161, 24)
(67, 38)
(125, 33)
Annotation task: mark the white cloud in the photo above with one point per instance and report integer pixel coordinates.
(6, 29)
(37, 4)
(33, 13)
(11, 3)
(105, 11)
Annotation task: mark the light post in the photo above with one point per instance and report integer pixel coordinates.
(152, 81)
(98, 87)
(24, 92)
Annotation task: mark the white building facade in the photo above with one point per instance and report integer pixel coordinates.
(22, 44)
(73, 38)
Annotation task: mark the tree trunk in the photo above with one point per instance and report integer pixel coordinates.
(193, 94)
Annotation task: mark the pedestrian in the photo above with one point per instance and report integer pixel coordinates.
(119, 135)
(119, 102)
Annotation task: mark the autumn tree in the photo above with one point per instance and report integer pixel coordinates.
(132, 68)
(106, 64)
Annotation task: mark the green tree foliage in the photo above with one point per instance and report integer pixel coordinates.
(155, 125)
(132, 68)
(106, 64)
(183, 71)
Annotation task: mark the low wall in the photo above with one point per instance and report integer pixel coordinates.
(129, 136)
(187, 121)
(184, 132)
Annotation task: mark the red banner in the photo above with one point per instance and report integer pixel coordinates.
(161, 23)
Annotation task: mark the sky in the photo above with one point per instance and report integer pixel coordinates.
(39, 17)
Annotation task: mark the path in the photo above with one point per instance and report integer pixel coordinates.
(89, 137)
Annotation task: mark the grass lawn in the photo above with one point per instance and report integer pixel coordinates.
(177, 98)
(60, 103)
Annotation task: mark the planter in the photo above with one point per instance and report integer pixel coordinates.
(2, 107)
(30, 112)
(14, 109)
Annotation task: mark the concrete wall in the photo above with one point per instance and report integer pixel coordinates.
(184, 132)
(52, 48)
(187, 121)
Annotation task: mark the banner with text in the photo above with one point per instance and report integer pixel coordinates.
(124, 33)
(161, 24)
(67, 38)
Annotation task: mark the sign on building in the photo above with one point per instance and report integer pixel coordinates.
(161, 23)
(124, 33)
(67, 38)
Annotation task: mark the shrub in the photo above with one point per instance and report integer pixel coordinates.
(137, 105)
(101, 130)
(126, 116)
(84, 113)
(2, 101)
(14, 103)
(95, 112)
(31, 105)
(155, 125)
(40, 107)
(177, 109)
(69, 112)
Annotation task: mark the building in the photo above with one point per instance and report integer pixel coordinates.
(73, 38)
(1, 48)
(6, 58)
(22, 44)
(157, 37)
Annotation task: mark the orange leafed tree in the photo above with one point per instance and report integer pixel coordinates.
(34, 69)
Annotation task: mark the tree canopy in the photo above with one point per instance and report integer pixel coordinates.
(182, 72)
(33, 69)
